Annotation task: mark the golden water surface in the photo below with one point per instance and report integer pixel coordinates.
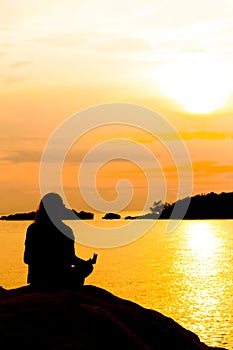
(186, 275)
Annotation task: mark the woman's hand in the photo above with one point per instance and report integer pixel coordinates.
(93, 259)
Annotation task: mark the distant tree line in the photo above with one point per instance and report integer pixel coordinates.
(202, 206)
(67, 215)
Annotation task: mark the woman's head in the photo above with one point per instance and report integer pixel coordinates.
(50, 208)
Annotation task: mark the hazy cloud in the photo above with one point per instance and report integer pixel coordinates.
(3, 53)
(23, 156)
(113, 45)
(21, 64)
(185, 135)
(67, 40)
(211, 167)
(213, 135)
(13, 79)
(19, 149)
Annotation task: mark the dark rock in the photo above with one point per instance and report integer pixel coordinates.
(111, 216)
(74, 215)
(88, 318)
(86, 215)
(129, 217)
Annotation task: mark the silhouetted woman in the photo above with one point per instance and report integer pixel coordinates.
(49, 248)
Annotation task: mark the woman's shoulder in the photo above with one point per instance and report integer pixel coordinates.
(34, 227)
(31, 227)
(32, 231)
(53, 229)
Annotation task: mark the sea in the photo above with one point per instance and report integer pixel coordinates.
(185, 274)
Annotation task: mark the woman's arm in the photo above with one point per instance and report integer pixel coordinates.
(79, 261)
(28, 247)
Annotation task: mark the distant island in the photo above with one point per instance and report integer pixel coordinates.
(68, 215)
(201, 206)
(111, 216)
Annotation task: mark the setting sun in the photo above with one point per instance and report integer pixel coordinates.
(200, 87)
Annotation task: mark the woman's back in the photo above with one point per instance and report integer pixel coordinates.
(49, 251)
(49, 248)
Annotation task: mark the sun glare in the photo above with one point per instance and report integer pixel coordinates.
(202, 240)
(200, 87)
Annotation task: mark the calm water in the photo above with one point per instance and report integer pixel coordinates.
(186, 275)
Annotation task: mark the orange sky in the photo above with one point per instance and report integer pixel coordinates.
(57, 58)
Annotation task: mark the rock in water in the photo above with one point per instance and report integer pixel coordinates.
(111, 216)
(88, 318)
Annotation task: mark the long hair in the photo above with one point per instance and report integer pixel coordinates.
(49, 209)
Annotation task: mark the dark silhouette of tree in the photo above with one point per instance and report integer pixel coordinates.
(203, 206)
(157, 208)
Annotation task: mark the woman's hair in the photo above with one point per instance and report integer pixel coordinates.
(49, 208)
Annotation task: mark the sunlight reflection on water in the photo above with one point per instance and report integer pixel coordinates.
(206, 293)
(203, 242)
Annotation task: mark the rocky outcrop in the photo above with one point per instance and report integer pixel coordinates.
(111, 216)
(88, 318)
(82, 215)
